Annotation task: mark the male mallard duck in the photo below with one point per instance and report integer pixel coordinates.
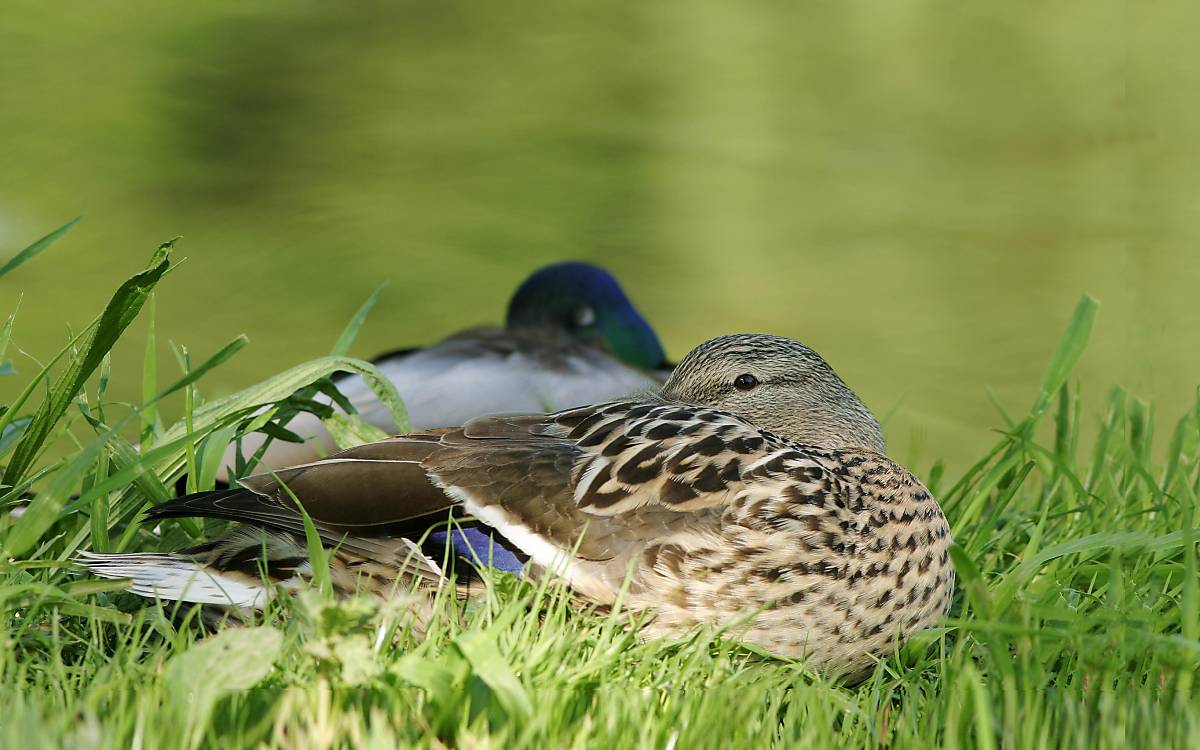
(753, 492)
(571, 337)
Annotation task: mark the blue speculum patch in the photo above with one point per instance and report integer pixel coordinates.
(480, 546)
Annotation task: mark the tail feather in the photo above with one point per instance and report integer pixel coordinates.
(245, 568)
(178, 577)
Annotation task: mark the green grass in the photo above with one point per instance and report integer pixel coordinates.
(1076, 622)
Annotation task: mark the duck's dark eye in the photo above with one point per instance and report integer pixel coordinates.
(745, 382)
(585, 317)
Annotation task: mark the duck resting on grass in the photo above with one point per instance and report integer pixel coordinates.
(752, 493)
(571, 337)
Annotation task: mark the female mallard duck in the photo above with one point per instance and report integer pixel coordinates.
(571, 337)
(753, 492)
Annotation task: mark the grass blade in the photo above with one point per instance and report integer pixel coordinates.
(350, 332)
(149, 376)
(1070, 349)
(38, 246)
(10, 414)
(5, 337)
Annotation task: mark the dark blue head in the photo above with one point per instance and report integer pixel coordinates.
(588, 304)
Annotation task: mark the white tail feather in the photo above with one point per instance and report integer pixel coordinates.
(176, 578)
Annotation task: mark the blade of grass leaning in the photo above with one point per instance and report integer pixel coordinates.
(38, 246)
(318, 557)
(342, 346)
(488, 663)
(149, 376)
(189, 407)
(124, 306)
(1069, 350)
(6, 336)
(101, 539)
(102, 379)
(10, 414)
(210, 453)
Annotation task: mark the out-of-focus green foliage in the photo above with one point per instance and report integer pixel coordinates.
(916, 189)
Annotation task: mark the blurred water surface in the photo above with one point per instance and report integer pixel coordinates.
(920, 190)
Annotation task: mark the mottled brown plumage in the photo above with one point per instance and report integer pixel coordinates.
(751, 494)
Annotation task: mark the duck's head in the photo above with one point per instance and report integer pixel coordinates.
(586, 303)
(778, 384)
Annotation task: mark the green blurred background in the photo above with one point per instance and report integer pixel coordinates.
(919, 190)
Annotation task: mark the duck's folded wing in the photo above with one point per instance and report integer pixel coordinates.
(602, 482)
(374, 486)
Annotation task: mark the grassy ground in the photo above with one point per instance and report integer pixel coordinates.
(1076, 621)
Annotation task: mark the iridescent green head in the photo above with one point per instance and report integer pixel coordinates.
(588, 304)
